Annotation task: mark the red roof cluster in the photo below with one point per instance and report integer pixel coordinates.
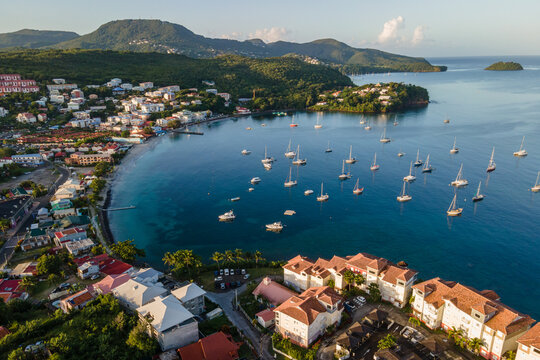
(107, 265)
(217, 346)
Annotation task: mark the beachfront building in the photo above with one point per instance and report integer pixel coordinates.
(304, 318)
(394, 282)
(79, 158)
(529, 344)
(192, 298)
(479, 314)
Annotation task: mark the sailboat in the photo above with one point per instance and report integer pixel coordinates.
(396, 123)
(357, 190)
(478, 196)
(289, 153)
(403, 196)
(446, 120)
(267, 159)
(362, 120)
(418, 162)
(318, 124)
(328, 148)
(344, 175)
(410, 177)
(460, 182)
(374, 165)
(322, 197)
(454, 149)
(293, 124)
(299, 161)
(453, 210)
(290, 182)
(367, 127)
(536, 187)
(521, 151)
(384, 139)
(491, 166)
(267, 166)
(427, 167)
(350, 160)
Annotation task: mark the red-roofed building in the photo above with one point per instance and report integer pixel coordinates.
(529, 344)
(109, 283)
(107, 264)
(76, 301)
(3, 332)
(217, 346)
(11, 289)
(272, 291)
(61, 237)
(265, 318)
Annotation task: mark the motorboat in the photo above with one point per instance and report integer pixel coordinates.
(293, 124)
(290, 182)
(275, 226)
(357, 190)
(478, 196)
(251, 189)
(400, 153)
(446, 121)
(344, 175)
(374, 165)
(246, 152)
(521, 152)
(410, 177)
(454, 149)
(418, 162)
(460, 181)
(491, 166)
(255, 180)
(427, 166)
(453, 210)
(322, 197)
(403, 196)
(228, 216)
(350, 160)
(289, 212)
(235, 199)
(289, 153)
(299, 161)
(308, 192)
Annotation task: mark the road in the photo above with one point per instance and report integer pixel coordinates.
(225, 301)
(14, 234)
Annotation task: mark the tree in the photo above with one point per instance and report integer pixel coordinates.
(374, 292)
(414, 321)
(28, 282)
(217, 257)
(127, 251)
(510, 355)
(258, 257)
(139, 339)
(182, 259)
(454, 333)
(174, 124)
(331, 283)
(5, 224)
(474, 344)
(238, 255)
(125, 133)
(48, 264)
(359, 279)
(349, 277)
(387, 342)
(229, 256)
(102, 168)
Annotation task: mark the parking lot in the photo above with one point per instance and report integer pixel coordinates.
(225, 279)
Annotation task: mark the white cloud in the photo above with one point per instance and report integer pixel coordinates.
(390, 30)
(233, 36)
(418, 35)
(270, 35)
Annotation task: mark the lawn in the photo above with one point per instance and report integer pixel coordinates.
(206, 279)
(30, 255)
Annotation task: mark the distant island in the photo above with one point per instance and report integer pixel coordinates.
(505, 66)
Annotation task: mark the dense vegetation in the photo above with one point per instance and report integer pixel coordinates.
(505, 66)
(32, 39)
(277, 82)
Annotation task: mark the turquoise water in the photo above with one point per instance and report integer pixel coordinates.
(180, 184)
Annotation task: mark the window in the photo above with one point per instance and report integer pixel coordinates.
(536, 351)
(477, 316)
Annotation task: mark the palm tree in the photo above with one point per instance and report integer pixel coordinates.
(414, 321)
(359, 279)
(349, 277)
(182, 259)
(257, 255)
(229, 256)
(28, 282)
(4, 225)
(474, 344)
(239, 255)
(217, 257)
(454, 333)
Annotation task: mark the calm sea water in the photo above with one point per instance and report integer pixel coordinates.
(180, 184)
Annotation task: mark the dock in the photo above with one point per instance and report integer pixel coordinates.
(121, 208)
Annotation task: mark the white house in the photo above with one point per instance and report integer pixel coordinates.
(26, 118)
(169, 322)
(147, 275)
(133, 294)
(87, 270)
(529, 344)
(28, 159)
(192, 297)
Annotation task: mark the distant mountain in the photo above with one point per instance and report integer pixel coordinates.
(32, 39)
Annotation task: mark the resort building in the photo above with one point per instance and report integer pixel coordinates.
(28, 159)
(79, 158)
(303, 318)
(192, 298)
(529, 344)
(479, 314)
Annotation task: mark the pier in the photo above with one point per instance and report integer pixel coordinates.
(120, 208)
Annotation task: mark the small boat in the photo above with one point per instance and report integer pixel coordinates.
(460, 182)
(358, 190)
(267, 166)
(374, 165)
(478, 196)
(251, 189)
(267, 159)
(289, 153)
(446, 120)
(249, 128)
(308, 192)
(263, 124)
(383, 138)
(521, 152)
(427, 166)
(255, 180)
(322, 197)
(293, 124)
(454, 149)
(362, 120)
(396, 123)
(328, 148)
(246, 152)
(350, 160)
(228, 216)
(400, 153)
(318, 124)
(290, 182)
(276, 226)
(491, 166)
(403, 196)
(235, 198)
(410, 177)
(536, 187)
(299, 161)
(453, 210)
(289, 212)
(344, 175)
(367, 127)
(418, 162)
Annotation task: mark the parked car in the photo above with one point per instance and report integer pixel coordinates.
(226, 272)
(238, 283)
(361, 299)
(243, 271)
(216, 273)
(232, 272)
(222, 286)
(94, 277)
(219, 278)
(246, 276)
(221, 272)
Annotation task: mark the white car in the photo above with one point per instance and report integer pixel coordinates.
(232, 272)
(226, 272)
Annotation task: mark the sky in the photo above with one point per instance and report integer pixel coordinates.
(427, 28)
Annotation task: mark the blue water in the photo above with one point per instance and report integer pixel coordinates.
(180, 184)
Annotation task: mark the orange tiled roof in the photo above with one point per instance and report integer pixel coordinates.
(531, 337)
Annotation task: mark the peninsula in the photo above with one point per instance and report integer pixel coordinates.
(505, 66)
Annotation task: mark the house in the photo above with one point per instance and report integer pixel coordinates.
(64, 236)
(479, 314)
(393, 354)
(304, 318)
(35, 238)
(147, 275)
(11, 289)
(265, 318)
(76, 301)
(351, 340)
(80, 221)
(192, 297)
(65, 193)
(218, 346)
(108, 283)
(169, 322)
(61, 204)
(376, 318)
(28, 159)
(134, 294)
(272, 291)
(42, 117)
(25, 269)
(107, 265)
(15, 208)
(59, 214)
(26, 118)
(77, 247)
(88, 269)
(529, 344)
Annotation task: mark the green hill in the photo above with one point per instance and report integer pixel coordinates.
(504, 66)
(27, 38)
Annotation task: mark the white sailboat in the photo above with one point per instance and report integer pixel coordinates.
(454, 149)
(289, 153)
(418, 162)
(299, 161)
(290, 182)
(453, 210)
(362, 120)
(478, 196)
(267, 159)
(521, 152)
(328, 148)
(536, 187)
(357, 190)
(410, 177)
(491, 166)
(384, 139)
(350, 160)
(322, 197)
(267, 166)
(318, 124)
(228, 216)
(460, 181)
(344, 175)
(374, 165)
(367, 127)
(396, 123)
(427, 166)
(446, 120)
(403, 196)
